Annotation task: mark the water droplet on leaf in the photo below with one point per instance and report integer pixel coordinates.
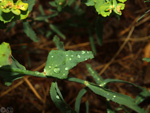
(37, 72)
(56, 70)
(57, 97)
(83, 52)
(114, 96)
(66, 68)
(78, 56)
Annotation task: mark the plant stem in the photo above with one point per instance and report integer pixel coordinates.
(25, 72)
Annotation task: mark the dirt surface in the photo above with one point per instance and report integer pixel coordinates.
(125, 43)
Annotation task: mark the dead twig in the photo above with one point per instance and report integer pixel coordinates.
(121, 48)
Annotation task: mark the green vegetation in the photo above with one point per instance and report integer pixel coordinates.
(60, 61)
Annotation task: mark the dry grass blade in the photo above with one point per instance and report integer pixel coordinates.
(121, 48)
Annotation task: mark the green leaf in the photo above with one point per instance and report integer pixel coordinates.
(146, 59)
(106, 81)
(22, 6)
(57, 98)
(29, 32)
(5, 53)
(10, 10)
(103, 8)
(53, 3)
(45, 17)
(6, 17)
(118, 8)
(8, 75)
(23, 15)
(141, 97)
(122, 1)
(97, 78)
(59, 62)
(144, 93)
(78, 99)
(88, 2)
(7, 10)
(16, 11)
(116, 97)
(23, 10)
(59, 44)
(31, 3)
(70, 2)
(56, 30)
(143, 15)
(11, 69)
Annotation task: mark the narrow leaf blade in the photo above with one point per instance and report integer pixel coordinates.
(58, 100)
(116, 97)
(29, 32)
(56, 30)
(78, 99)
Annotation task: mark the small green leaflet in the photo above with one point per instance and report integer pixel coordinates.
(59, 44)
(97, 78)
(88, 2)
(30, 32)
(59, 62)
(5, 53)
(146, 59)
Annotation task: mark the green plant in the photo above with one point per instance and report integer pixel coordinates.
(10, 10)
(146, 59)
(60, 61)
(58, 64)
(106, 7)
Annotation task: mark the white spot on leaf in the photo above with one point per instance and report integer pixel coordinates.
(57, 97)
(78, 56)
(83, 52)
(66, 68)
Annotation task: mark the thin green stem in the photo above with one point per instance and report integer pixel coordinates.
(40, 74)
(25, 72)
